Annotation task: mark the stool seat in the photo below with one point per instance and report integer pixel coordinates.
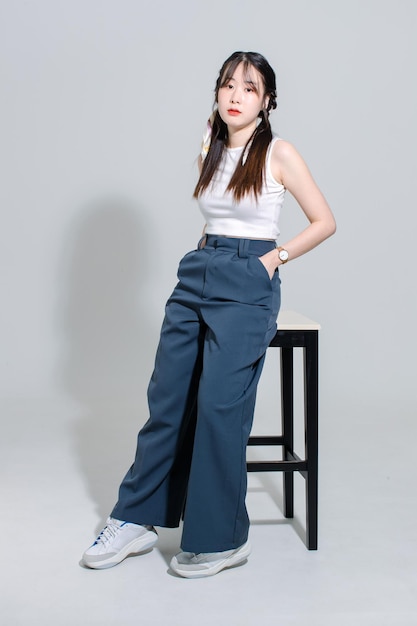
(296, 331)
(291, 320)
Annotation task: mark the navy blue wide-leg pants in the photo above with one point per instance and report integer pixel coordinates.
(191, 453)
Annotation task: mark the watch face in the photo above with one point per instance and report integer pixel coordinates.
(283, 255)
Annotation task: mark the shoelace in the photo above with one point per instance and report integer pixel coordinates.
(109, 532)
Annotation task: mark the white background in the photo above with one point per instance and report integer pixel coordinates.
(103, 104)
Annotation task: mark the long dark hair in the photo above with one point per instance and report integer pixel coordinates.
(249, 173)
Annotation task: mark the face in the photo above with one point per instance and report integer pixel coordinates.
(241, 98)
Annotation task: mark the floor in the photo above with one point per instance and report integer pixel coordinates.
(60, 470)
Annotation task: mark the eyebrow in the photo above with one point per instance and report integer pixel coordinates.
(246, 81)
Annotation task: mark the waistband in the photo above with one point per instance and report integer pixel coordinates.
(244, 247)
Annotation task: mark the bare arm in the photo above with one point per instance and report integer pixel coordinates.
(200, 165)
(288, 167)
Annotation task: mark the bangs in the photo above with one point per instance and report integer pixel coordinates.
(249, 71)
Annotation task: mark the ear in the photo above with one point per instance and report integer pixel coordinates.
(266, 103)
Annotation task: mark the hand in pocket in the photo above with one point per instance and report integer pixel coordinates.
(269, 261)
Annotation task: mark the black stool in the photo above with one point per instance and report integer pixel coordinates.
(296, 331)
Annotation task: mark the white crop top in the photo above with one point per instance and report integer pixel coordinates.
(248, 218)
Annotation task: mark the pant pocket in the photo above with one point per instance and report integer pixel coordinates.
(263, 268)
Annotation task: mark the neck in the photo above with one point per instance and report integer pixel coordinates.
(236, 138)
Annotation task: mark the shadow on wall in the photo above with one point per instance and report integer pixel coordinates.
(109, 340)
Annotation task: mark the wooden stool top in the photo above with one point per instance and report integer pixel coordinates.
(291, 320)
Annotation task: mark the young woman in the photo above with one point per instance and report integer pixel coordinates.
(191, 454)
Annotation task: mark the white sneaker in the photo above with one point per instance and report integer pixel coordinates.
(191, 565)
(116, 541)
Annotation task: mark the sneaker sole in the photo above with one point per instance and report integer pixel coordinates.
(134, 547)
(234, 559)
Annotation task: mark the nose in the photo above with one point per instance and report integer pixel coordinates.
(235, 97)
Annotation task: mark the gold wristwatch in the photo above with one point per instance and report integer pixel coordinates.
(282, 254)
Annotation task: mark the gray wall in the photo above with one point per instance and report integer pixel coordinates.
(103, 105)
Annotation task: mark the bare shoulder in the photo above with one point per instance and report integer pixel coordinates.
(284, 152)
(285, 159)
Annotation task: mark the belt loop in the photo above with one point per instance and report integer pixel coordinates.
(243, 248)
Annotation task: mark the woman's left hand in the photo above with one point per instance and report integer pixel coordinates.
(270, 262)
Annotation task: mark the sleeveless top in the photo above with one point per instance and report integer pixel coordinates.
(249, 218)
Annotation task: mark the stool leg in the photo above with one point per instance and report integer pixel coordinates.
(287, 416)
(311, 430)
